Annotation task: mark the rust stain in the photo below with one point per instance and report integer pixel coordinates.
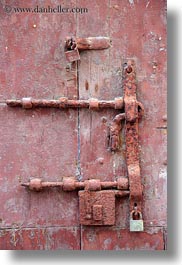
(96, 88)
(86, 85)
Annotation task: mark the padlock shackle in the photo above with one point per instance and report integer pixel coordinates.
(135, 211)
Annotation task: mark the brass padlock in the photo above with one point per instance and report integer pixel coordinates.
(136, 225)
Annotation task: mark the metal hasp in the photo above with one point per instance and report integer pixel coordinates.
(97, 207)
(74, 45)
(96, 198)
(132, 108)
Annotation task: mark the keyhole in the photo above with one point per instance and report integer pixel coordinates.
(129, 69)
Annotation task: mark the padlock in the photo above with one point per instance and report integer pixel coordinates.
(136, 225)
(72, 55)
(71, 50)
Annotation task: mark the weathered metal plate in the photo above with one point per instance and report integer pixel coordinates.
(99, 78)
(33, 142)
(97, 207)
(49, 238)
(95, 238)
(72, 56)
(29, 147)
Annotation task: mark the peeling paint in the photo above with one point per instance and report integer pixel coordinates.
(147, 4)
(163, 173)
(131, 2)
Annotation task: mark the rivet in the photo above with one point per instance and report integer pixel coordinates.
(88, 216)
(116, 7)
(154, 65)
(100, 160)
(164, 118)
(104, 119)
(68, 68)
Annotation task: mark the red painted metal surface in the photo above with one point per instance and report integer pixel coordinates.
(49, 238)
(121, 239)
(50, 143)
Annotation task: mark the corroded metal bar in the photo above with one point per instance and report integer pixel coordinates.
(64, 102)
(123, 193)
(131, 135)
(93, 43)
(90, 43)
(70, 184)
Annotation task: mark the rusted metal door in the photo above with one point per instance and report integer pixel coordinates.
(57, 143)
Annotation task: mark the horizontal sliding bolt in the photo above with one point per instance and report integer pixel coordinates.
(70, 184)
(64, 102)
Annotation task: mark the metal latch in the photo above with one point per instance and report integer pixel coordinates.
(96, 201)
(93, 210)
(97, 208)
(73, 46)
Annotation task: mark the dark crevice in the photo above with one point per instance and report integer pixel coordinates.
(161, 127)
(78, 173)
(165, 238)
